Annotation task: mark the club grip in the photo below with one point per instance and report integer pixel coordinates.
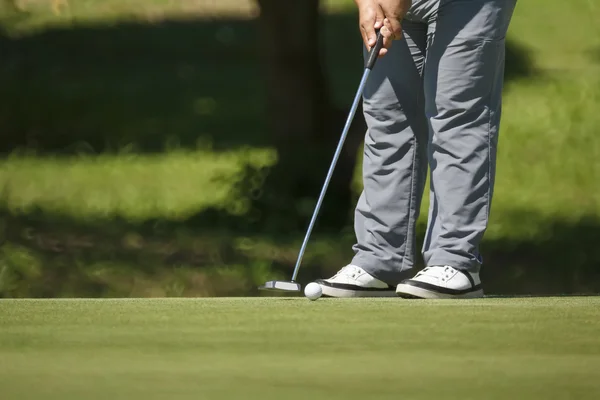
(374, 53)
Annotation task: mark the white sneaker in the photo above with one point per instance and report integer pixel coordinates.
(353, 281)
(441, 282)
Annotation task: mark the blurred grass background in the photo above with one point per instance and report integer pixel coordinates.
(127, 125)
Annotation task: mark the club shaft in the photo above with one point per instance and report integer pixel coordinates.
(338, 151)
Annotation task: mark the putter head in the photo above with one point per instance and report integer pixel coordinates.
(281, 286)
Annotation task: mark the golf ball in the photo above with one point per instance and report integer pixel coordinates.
(313, 291)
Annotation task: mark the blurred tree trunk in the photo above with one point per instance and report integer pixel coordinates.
(302, 119)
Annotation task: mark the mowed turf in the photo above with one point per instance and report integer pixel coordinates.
(281, 348)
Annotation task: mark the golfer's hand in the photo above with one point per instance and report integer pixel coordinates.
(383, 15)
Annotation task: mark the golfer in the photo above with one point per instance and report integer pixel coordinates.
(433, 99)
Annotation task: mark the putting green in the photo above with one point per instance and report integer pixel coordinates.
(280, 348)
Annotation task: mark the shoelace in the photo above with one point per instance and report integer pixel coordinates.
(348, 270)
(427, 271)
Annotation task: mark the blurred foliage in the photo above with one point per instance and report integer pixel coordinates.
(136, 147)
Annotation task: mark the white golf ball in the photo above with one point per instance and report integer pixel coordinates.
(313, 291)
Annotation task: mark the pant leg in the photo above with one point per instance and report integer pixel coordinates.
(463, 80)
(395, 161)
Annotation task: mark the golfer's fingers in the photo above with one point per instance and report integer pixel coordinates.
(365, 38)
(367, 26)
(395, 27)
(380, 16)
(388, 37)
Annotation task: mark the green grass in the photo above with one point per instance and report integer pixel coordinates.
(173, 185)
(291, 348)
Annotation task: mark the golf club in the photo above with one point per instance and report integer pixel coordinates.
(293, 286)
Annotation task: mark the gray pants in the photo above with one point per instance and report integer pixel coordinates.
(434, 99)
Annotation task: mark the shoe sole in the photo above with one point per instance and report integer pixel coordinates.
(329, 291)
(413, 292)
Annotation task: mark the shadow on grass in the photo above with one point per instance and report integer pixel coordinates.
(49, 256)
(566, 260)
(594, 54)
(141, 86)
(519, 62)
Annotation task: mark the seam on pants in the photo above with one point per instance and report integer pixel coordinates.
(491, 115)
(489, 174)
(489, 156)
(408, 242)
(429, 171)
